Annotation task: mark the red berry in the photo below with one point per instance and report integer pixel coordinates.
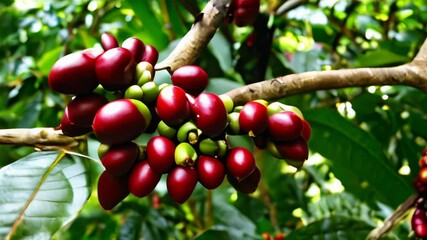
(120, 158)
(306, 130)
(82, 108)
(118, 122)
(193, 79)
(279, 236)
(284, 126)
(151, 55)
(172, 106)
(245, 12)
(108, 41)
(209, 114)
(136, 47)
(423, 161)
(422, 175)
(294, 150)
(247, 185)
(240, 162)
(70, 129)
(115, 69)
(112, 190)
(210, 172)
(419, 222)
(253, 118)
(181, 182)
(75, 73)
(143, 179)
(160, 154)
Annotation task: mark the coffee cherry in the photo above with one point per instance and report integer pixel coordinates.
(160, 154)
(115, 69)
(284, 126)
(294, 150)
(172, 106)
(108, 41)
(253, 118)
(210, 172)
(143, 179)
(112, 190)
(181, 182)
(233, 127)
(209, 114)
(240, 163)
(247, 185)
(70, 129)
(144, 73)
(136, 47)
(306, 130)
(120, 158)
(245, 12)
(193, 79)
(134, 92)
(75, 73)
(185, 154)
(151, 55)
(188, 132)
(150, 92)
(423, 161)
(164, 130)
(121, 121)
(419, 222)
(214, 148)
(82, 108)
(422, 175)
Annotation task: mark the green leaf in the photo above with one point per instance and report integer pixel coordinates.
(380, 57)
(333, 228)
(40, 193)
(221, 85)
(220, 48)
(357, 158)
(46, 62)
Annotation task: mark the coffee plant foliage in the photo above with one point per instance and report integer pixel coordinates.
(364, 147)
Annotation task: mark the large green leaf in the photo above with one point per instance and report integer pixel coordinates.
(40, 193)
(357, 158)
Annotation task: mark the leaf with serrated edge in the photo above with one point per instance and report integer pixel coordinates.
(40, 193)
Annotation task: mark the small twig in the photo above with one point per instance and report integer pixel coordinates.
(289, 5)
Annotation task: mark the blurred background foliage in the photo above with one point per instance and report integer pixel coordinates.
(365, 145)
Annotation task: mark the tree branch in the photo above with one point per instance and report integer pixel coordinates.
(198, 37)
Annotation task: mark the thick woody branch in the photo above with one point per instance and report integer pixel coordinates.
(198, 37)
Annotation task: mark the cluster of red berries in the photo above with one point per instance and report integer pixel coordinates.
(189, 127)
(419, 217)
(243, 12)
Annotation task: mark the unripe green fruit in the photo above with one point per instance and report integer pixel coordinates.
(185, 154)
(102, 150)
(151, 90)
(165, 130)
(144, 110)
(141, 69)
(277, 107)
(233, 123)
(144, 78)
(134, 92)
(188, 132)
(213, 148)
(228, 102)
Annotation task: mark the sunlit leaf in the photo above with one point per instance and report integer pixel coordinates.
(40, 193)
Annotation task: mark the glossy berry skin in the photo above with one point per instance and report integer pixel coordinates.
(172, 106)
(115, 69)
(306, 130)
(193, 79)
(209, 114)
(253, 118)
(419, 222)
(245, 12)
(160, 154)
(151, 55)
(247, 185)
(294, 150)
(240, 163)
(284, 126)
(143, 179)
(136, 47)
(108, 41)
(210, 172)
(82, 108)
(181, 182)
(119, 159)
(75, 73)
(118, 122)
(112, 190)
(70, 129)
(422, 175)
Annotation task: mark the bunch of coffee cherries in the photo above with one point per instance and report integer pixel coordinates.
(189, 127)
(419, 217)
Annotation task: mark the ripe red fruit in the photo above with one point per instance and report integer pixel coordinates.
(118, 122)
(247, 185)
(115, 69)
(70, 129)
(306, 130)
(210, 172)
(75, 73)
(209, 114)
(294, 150)
(253, 118)
(82, 108)
(108, 41)
(419, 222)
(245, 12)
(160, 154)
(193, 79)
(143, 179)
(181, 182)
(240, 163)
(151, 55)
(136, 47)
(172, 106)
(284, 126)
(120, 158)
(422, 175)
(423, 161)
(112, 190)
